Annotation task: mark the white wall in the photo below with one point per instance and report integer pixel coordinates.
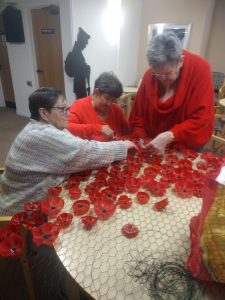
(216, 45)
(120, 57)
(199, 13)
(101, 54)
(22, 56)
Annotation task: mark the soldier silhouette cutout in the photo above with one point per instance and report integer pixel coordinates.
(79, 70)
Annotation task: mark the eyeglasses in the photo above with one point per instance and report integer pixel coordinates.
(64, 110)
(169, 74)
(163, 76)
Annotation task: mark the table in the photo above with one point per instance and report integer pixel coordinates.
(100, 259)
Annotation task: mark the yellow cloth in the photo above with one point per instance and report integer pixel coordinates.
(213, 237)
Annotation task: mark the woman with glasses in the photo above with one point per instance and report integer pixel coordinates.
(175, 99)
(98, 117)
(44, 153)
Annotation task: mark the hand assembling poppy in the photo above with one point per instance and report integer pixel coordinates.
(89, 222)
(160, 205)
(130, 231)
(52, 206)
(104, 209)
(64, 220)
(81, 207)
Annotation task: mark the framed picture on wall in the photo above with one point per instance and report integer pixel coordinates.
(182, 31)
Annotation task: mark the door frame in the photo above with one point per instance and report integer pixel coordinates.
(2, 98)
(40, 5)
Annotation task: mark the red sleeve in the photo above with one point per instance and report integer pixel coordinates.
(196, 130)
(77, 125)
(136, 117)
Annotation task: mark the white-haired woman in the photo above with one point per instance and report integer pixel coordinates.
(175, 101)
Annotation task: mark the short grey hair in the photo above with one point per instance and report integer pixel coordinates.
(164, 48)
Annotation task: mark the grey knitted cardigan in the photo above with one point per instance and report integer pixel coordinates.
(42, 156)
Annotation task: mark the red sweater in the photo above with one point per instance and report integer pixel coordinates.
(189, 114)
(85, 123)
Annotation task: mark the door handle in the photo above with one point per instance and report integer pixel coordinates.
(40, 71)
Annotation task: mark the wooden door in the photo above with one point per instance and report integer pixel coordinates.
(5, 73)
(48, 46)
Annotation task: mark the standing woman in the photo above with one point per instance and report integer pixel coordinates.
(175, 99)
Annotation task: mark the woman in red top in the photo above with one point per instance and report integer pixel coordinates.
(97, 117)
(175, 99)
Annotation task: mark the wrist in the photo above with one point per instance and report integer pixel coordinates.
(171, 135)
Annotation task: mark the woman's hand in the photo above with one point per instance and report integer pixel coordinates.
(130, 145)
(107, 131)
(158, 144)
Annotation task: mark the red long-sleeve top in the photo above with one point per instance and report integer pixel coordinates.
(189, 114)
(85, 123)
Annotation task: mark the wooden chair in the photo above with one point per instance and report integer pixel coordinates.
(217, 145)
(126, 102)
(4, 220)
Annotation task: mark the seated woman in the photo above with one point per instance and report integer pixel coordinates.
(44, 153)
(97, 117)
(175, 100)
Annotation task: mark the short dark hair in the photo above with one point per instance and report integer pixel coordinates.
(45, 97)
(109, 84)
(164, 48)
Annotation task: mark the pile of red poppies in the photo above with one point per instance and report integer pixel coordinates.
(139, 177)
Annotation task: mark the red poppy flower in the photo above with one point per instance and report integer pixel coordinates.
(132, 185)
(91, 187)
(184, 164)
(64, 220)
(35, 220)
(81, 207)
(201, 166)
(124, 202)
(198, 190)
(11, 246)
(55, 191)
(166, 181)
(189, 154)
(184, 189)
(167, 171)
(151, 172)
(94, 196)
(19, 218)
(160, 205)
(109, 194)
(7, 231)
(142, 197)
(171, 159)
(45, 234)
(196, 177)
(157, 189)
(178, 174)
(122, 176)
(130, 230)
(75, 192)
(89, 222)
(52, 206)
(32, 206)
(146, 181)
(104, 209)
